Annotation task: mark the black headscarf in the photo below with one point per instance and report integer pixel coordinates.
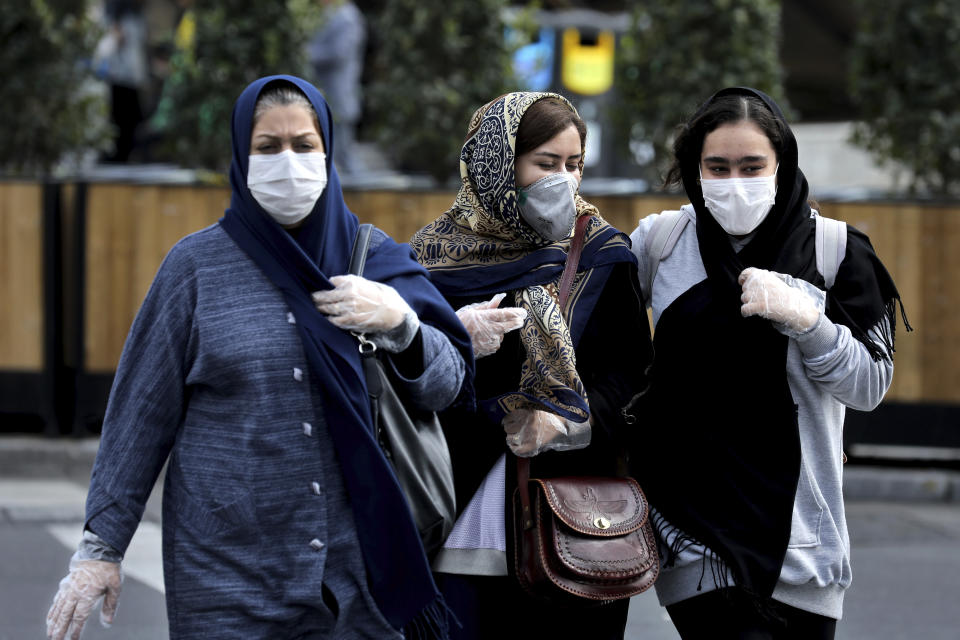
(864, 293)
(726, 422)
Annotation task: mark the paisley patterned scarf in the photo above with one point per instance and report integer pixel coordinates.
(481, 246)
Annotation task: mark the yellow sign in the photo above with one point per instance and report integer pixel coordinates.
(587, 69)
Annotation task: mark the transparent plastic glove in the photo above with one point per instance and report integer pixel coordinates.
(358, 304)
(486, 323)
(532, 432)
(770, 295)
(81, 589)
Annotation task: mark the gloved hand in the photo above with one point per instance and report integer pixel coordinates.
(486, 324)
(87, 582)
(530, 432)
(358, 304)
(770, 295)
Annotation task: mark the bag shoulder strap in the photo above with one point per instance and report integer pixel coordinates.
(361, 243)
(566, 284)
(660, 241)
(573, 259)
(368, 355)
(831, 246)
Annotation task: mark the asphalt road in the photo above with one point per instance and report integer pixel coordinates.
(906, 563)
(906, 576)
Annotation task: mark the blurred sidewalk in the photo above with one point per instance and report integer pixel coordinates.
(39, 458)
(45, 479)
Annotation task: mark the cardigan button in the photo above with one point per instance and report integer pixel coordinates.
(316, 545)
(290, 318)
(298, 374)
(315, 487)
(307, 429)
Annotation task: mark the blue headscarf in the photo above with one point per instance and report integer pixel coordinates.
(399, 573)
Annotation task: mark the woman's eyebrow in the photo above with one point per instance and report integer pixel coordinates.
(296, 136)
(751, 159)
(554, 155)
(739, 161)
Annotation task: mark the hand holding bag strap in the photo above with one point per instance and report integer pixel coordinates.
(566, 285)
(358, 259)
(371, 367)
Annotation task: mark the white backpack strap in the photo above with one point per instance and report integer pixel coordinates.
(663, 236)
(831, 246)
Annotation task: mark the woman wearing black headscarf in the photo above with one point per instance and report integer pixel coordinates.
(281, 516)
(756, 360)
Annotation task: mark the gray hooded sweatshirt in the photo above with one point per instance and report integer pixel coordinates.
(827, 371)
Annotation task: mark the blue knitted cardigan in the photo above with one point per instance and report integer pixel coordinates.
(399, 573)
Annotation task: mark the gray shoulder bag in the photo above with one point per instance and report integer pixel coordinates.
(412, 440)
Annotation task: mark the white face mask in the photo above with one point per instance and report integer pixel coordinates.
(739, 205)
(548, 206)
(287, 184)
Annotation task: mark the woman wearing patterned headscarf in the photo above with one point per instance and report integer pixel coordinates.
(282, 517)
(552, 390)
(765, 332)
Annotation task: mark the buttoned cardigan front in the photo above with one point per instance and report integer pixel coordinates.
(258, 535)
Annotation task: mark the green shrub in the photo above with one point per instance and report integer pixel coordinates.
(905, 80)
(436, 63)
(676, 54)
(236, 42)
(52, 107)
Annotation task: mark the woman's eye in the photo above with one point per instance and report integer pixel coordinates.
(546, 166)
(265, 148)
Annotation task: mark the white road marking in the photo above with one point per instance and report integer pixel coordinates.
(61, 503)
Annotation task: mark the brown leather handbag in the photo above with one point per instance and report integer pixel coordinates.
(581, 540)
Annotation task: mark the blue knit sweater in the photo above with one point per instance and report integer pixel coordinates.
(259, 539)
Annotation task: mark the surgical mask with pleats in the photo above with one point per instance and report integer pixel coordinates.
(548, 205)
(739, 205)
(287, 185)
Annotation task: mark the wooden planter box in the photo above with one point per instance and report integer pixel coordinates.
(116, 235)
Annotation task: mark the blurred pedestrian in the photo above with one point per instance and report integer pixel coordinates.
(336, 53)
(176, 51)
(551, 381)
(764, 333)
(281, 516)
(120, 59)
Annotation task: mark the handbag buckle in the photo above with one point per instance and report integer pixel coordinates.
(366, 347)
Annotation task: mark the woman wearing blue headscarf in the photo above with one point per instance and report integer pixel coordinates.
(281, 516)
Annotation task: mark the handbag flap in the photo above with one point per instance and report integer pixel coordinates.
(596, 506)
